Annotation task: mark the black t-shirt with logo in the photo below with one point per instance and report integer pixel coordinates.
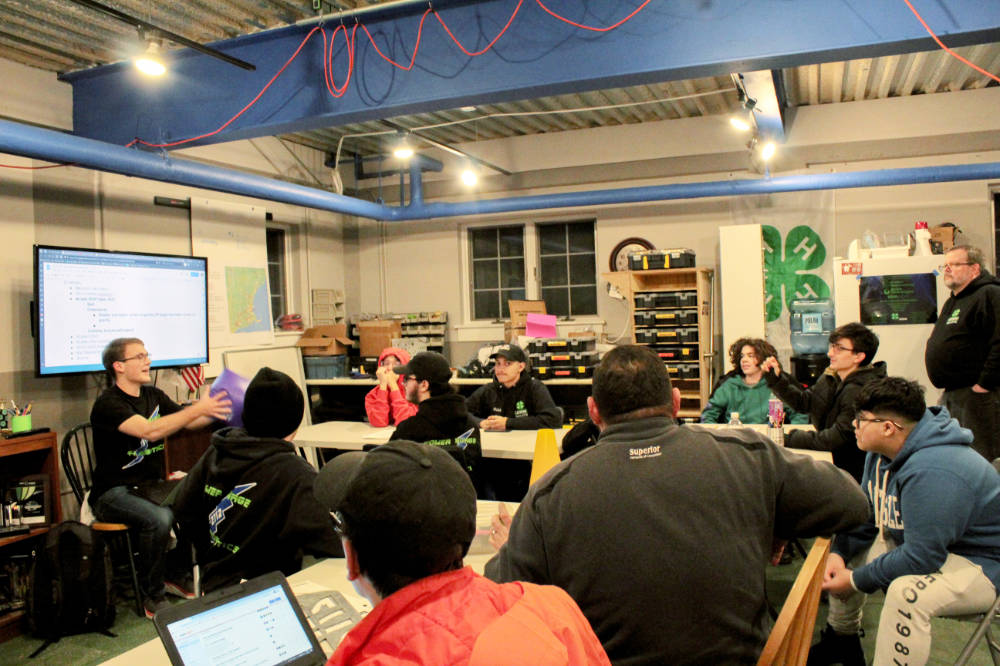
(123, 460)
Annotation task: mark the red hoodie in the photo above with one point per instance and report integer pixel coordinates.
(386, 407)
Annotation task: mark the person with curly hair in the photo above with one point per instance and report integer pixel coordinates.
(743, 389)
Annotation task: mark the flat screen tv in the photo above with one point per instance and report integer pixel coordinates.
(898, 299)
(86, 298)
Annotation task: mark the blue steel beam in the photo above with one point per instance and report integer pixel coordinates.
(538, 56)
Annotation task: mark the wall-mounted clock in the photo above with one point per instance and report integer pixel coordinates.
(619, 255)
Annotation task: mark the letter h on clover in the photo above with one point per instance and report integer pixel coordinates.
(785, 266)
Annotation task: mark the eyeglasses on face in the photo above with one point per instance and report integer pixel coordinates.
(951, 265)
(139, 357)
(858, 420)
(840, 347)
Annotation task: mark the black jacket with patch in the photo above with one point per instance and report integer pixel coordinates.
(830, 404)
(444, 421)
(964, 347)
(248, 507)
(527, 404)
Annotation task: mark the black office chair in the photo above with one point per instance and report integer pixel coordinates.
(78, 462)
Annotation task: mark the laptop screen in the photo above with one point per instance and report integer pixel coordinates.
(262, 627)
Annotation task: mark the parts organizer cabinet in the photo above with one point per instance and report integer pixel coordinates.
(20, 457)
(671, 311)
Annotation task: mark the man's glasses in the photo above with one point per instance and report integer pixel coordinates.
(952, 264)
(858, 420)
(338, 522)
(839, 347)
(139, 357)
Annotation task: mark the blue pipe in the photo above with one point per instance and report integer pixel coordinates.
(43, 144)
(18, 139)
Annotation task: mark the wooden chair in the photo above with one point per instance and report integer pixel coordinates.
(77, 453)
(788, 643)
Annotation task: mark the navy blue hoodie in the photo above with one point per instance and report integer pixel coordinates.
(937, 496)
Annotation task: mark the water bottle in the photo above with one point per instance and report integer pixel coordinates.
(922, 238)
(734, 419)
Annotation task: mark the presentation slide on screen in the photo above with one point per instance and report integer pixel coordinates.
(87, 299)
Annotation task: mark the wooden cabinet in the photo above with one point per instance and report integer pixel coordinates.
(671, 311)
(20, 457)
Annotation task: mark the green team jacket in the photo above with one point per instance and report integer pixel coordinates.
(750, 401)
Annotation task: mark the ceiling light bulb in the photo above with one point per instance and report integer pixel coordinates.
(739, 123)
(149, 63)
(767, 152)
(402, 152)
(469, 177)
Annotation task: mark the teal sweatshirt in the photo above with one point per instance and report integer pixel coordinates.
(734, 395)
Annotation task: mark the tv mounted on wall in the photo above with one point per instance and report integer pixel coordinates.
(85, 298)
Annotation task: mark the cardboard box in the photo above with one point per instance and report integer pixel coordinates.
(377, 334)
(329, 340)
(519, 311)
(944, 235)
(511, 332)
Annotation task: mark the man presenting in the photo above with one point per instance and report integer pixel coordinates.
(933, 541)
(130, 420)
(662, 533)
(963, 352)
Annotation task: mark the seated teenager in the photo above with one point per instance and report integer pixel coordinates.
(743, 389)
(247, 504)
(407, 514)
(514, 400)
(131, 418)
(386, 404)
(830, 401)
(442, 419)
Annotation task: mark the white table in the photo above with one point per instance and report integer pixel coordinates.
(353, 436)
(331, 574)
(825, 456)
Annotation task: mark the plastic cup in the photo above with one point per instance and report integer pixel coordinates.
(20, 423)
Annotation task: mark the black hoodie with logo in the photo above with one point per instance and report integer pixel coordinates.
(444, 421)
(527, 404)
(964, 347)
(248, 507)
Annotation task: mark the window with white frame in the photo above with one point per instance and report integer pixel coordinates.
(497, 270)
(567, 271)
(554, 262)
(277, 271)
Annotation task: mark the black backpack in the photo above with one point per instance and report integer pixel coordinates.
(70, 584)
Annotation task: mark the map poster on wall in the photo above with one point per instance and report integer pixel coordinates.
(233, 237)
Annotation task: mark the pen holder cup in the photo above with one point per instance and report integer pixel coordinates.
(20, 423)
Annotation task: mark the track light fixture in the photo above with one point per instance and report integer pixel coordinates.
(742, 119)
(469, 177)
(149, 62)
(402, 150)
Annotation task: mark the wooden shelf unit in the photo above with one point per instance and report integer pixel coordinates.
(19, 457)
(694, 392)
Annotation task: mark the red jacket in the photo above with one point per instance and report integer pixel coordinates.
(389, 407)
(460, 617)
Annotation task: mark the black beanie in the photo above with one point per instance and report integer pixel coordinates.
(273, 405)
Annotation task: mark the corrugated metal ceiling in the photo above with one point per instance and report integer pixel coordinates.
(59, 36)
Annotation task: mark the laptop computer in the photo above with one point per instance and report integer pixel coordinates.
(257, 622)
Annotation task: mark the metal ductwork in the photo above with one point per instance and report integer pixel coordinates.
(52, 146)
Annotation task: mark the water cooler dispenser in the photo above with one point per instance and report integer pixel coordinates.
(810, 323)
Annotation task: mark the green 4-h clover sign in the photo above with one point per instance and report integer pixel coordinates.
(785, 267)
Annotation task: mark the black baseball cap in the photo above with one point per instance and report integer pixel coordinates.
(429, 366)
(406, 501)
(511, 353)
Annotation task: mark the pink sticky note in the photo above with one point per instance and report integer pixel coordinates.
(540, 325)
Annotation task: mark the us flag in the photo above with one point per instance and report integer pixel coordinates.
(194, 376)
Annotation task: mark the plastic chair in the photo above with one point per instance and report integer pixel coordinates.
(788, 642)
(77, 453)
